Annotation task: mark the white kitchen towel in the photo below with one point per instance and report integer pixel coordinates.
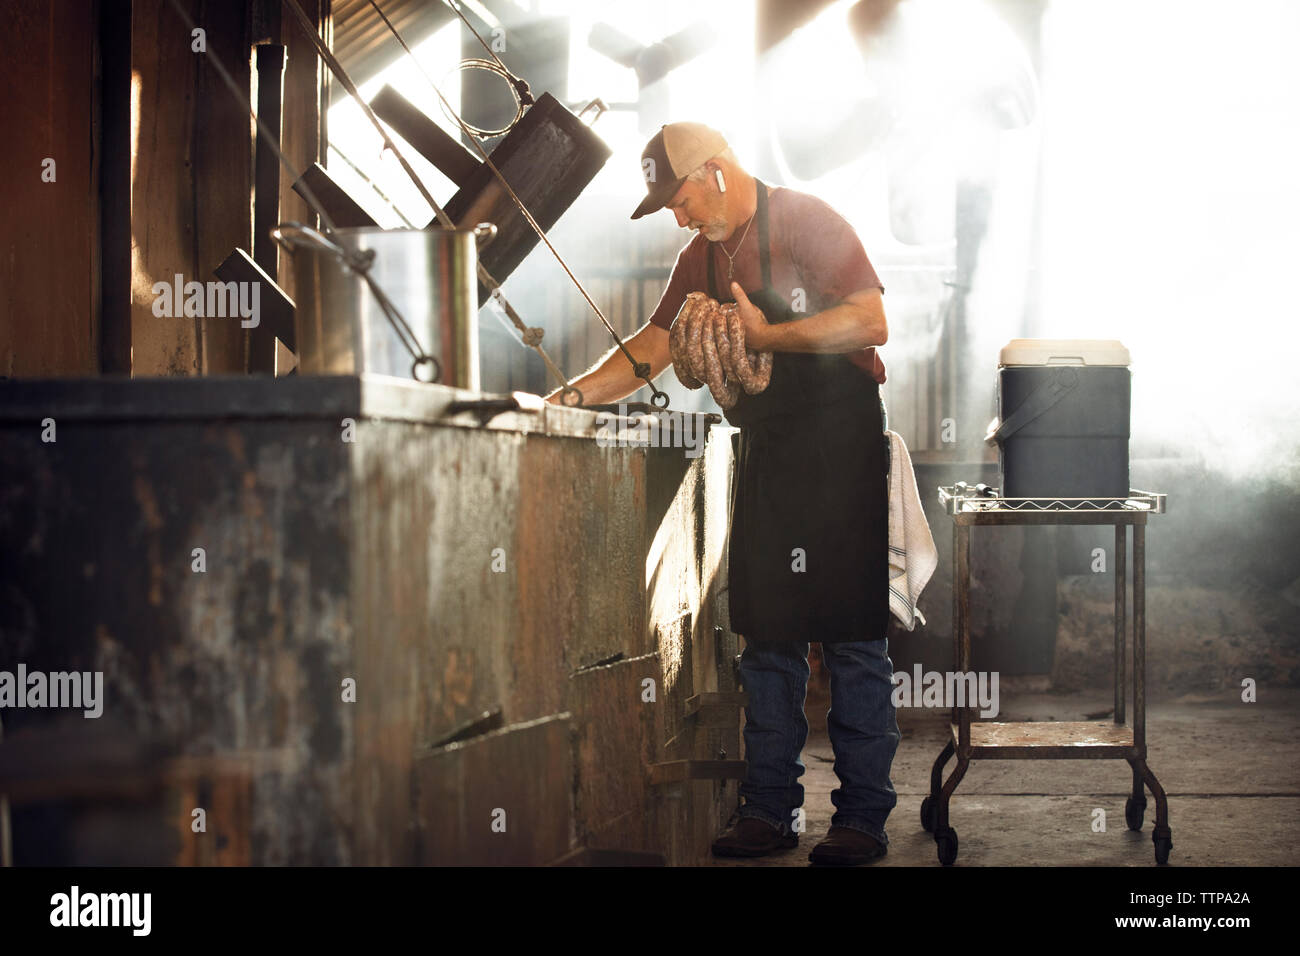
(912, 554)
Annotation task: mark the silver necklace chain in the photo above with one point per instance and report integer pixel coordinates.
(731, 256)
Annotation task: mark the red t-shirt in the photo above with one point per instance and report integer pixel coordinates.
(813, 249)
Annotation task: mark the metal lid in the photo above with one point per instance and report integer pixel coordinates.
(1064, 352)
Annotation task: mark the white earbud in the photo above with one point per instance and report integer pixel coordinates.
(722, 183)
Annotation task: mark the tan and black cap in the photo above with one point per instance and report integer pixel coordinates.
(671, 155)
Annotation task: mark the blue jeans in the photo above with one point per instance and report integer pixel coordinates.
(862, 725)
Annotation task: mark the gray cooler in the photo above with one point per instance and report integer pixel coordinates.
(1062, 429)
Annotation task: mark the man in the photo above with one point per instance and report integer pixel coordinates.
(808, 553)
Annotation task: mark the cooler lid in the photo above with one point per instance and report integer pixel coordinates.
(1064, 352)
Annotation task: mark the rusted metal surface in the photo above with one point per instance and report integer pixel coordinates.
(432, 638)
(583, 512)
(505, 798)
(618, 720)
(372, 561)
(225, 793)
(717, 647)
(118, 802)
(672, 576)
(101, 527)
(689, 498)
(76, 761)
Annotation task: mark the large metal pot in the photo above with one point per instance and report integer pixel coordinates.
(429, 279)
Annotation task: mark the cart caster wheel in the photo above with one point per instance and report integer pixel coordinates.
(946, 840)
(1164, 842)
(1133, 812)
(927, 815)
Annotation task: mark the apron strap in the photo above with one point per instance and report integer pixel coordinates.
(764, 257)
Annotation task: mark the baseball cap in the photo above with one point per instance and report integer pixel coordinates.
(672, 154)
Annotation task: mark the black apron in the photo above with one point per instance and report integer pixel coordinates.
(808, 556)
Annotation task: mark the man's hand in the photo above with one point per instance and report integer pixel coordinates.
(611, 379)
(752, 317)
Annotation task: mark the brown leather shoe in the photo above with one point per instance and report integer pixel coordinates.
(748, 836)
(845, 847)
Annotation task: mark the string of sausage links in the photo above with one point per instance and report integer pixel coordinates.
(707, 343)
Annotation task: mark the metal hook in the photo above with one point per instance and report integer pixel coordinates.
(421, 360)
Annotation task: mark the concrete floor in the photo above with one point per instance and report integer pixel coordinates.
(1231, 770)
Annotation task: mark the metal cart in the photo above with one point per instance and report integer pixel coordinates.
(1025, 740)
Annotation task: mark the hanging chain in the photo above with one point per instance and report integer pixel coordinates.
(523, 94)
(488, 66)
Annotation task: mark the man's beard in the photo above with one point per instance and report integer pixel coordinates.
(715, 230)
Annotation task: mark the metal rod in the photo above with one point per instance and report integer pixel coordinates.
(1140, 638)
(269, 58)
(961, 623)
(956, 608)
(1121, 621)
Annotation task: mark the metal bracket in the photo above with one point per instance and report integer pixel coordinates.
(715, 709)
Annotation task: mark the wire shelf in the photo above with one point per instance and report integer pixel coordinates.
(961, 498)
